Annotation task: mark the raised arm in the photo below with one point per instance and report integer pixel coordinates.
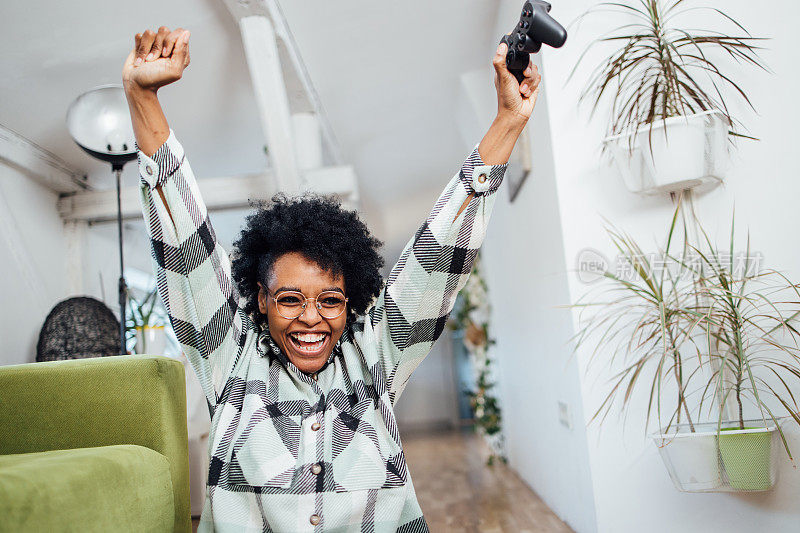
(192, 270)
(411, 312)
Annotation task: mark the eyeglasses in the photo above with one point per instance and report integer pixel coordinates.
(292, 304)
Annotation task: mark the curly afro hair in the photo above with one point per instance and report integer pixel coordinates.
(320, 229)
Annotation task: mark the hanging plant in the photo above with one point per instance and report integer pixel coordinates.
(711, 338)
(669, 88)
(659, 70)
(471, 316)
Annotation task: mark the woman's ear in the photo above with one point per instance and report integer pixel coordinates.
(262, 299)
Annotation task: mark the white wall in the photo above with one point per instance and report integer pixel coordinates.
(429, 399)
(524, 265)
(101, 258)
(632, 491)
(32, 260)
(525, 269)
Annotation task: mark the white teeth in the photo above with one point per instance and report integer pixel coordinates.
(309, 337)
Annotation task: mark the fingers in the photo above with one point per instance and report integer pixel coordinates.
(169, 41)
(152, 45)
(181, 51)
(499, 59)
(531, 81)
(144, 45)
(158, 43)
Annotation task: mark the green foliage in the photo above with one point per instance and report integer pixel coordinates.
(705, 331)
(143, 312)
(658, 70)
(470, 315)
(483, 402)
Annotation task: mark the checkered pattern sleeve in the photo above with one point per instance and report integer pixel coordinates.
(193, 272)
(411, 311)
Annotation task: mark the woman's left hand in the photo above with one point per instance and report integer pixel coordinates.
(515, 100)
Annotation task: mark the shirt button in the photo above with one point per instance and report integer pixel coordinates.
(314, 375)
(316, 469)
(482, 177)
(149, 170)
(315, 426)
(314, 519)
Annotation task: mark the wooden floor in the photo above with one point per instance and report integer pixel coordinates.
(459, 493)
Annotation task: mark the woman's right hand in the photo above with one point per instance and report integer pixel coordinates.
(157, 59)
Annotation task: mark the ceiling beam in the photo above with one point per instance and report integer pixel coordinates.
(218, 193)
(340, 181)
(39, 164)
(258, 38)
(299, 138)
(300, 91)
(302, 94)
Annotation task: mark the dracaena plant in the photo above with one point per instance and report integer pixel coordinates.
(701, 328)
(749, 317)
(658, 69)
(634, 322)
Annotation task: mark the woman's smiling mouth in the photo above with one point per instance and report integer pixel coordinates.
(309, 344)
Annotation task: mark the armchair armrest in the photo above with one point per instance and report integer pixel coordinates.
(80, 403)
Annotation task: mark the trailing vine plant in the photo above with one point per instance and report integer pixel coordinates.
(471, 316)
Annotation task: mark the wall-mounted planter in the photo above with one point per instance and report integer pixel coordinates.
(684, 152)
(733, 460)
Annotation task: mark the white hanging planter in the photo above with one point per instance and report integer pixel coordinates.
(735, 460)
(683, 152)
(151, 340)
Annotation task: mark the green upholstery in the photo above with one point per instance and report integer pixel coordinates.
(110, 488)
(87, 403)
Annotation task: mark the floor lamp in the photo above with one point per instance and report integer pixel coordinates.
(99, 122)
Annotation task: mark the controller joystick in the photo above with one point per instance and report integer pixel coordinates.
(535, 27)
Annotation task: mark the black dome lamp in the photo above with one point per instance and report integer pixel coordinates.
(99, 122)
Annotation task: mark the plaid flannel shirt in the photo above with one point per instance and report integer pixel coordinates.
(291, 451)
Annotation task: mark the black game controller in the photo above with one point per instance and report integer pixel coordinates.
(535, 28)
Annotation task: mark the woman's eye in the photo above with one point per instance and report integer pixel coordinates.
(289, 300)
(332, 300)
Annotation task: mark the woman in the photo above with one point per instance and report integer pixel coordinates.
(301, 352)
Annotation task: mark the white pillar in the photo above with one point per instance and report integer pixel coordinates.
(307, 141)
(74, 234)
(261, 51)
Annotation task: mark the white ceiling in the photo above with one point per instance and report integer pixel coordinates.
(387, 74)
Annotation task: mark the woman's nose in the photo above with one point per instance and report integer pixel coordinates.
(310, 314)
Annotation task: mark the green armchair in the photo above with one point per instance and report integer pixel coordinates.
(94, 445)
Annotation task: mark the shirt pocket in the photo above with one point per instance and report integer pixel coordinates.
(364, 454)
(265, 455)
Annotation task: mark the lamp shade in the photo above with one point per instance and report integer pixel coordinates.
(99, 121)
